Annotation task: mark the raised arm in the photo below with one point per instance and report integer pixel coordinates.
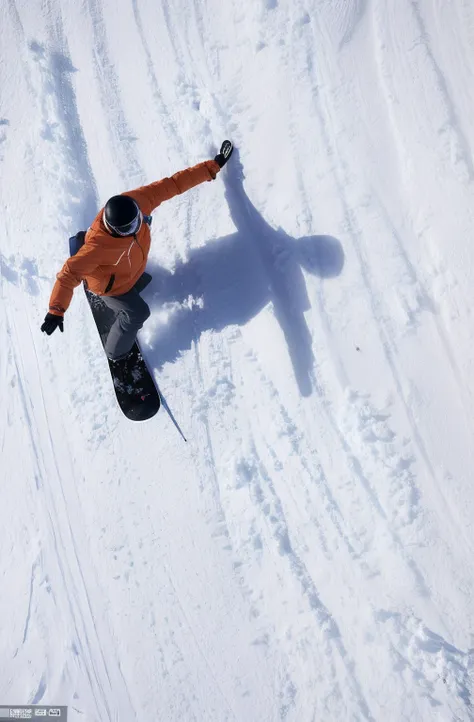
(151, 196)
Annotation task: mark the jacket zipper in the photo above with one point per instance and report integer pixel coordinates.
(139, 246)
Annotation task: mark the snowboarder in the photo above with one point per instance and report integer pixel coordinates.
(113, 258)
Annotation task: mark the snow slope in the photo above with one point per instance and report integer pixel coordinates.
(308, 554)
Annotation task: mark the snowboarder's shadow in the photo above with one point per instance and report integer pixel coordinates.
(232, 279)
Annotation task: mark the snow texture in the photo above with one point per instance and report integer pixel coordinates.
(307, 555)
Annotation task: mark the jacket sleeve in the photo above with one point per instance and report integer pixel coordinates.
(151, 196)
(86, 260)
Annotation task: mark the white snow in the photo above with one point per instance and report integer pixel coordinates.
(308, 554)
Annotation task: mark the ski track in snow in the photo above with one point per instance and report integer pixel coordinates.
(306, 554)
(382, 323)
(426, 301)
(353, 458)
(56, 96)
(110, 93)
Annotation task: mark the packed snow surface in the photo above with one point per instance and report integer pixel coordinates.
(308, 554)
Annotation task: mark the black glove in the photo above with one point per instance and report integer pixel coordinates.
(224, 154)
(51, 323)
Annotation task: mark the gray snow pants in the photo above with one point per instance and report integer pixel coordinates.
(132, 312)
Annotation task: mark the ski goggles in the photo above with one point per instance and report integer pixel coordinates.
(129, 229)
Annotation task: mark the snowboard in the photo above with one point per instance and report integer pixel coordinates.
(134, 386)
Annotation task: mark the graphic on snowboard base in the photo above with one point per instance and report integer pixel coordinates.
(134, 386)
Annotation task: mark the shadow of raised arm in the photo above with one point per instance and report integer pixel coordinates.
(235, 277)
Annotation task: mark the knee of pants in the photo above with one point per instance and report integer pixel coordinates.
(141, 314)
(147, 312)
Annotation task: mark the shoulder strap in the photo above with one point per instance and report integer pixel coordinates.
(76, 242)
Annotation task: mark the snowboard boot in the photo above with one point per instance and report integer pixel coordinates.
(122, 368)
(119, 359)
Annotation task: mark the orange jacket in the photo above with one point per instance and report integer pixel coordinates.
(111, 266)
